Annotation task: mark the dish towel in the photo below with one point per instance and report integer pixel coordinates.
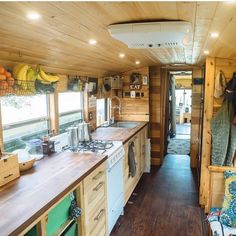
(131, 160)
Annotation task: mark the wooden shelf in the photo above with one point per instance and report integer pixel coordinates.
(63, 227)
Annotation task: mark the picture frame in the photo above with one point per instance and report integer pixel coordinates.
(135, 81)
(93, 85)
(145, 79)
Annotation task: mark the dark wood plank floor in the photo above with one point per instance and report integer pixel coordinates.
(166, 203)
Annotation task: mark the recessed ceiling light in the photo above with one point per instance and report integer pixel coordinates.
(137, 62)
(214, 35)
(230, 2)
(33, 16)
(92, 41)
(206, 52)
(121, 55)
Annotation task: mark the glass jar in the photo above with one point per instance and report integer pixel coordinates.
(35, 148)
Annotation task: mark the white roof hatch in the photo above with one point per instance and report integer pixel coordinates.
(153, 34)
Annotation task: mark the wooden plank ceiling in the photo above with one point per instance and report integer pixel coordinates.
(59, 40)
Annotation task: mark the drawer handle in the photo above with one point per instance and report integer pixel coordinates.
(96, 177)
(5, 177)
(98, 186)
(100, 214)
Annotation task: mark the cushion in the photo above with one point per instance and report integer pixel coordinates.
(217, 228)
(228, 212)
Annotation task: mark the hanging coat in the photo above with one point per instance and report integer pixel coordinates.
(230, 90)
(220, 126)
(223, 135)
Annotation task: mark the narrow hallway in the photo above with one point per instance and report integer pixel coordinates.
(166, 203)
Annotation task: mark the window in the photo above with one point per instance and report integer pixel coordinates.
(184, 99)
(102, 111)
(70, 109)
(22, 120)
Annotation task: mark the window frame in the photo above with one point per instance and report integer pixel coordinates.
(106, 111)
(23, 123)
(52, 118)
(65, 113)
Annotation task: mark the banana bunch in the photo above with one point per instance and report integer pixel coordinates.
(46, 78)
(25, 77)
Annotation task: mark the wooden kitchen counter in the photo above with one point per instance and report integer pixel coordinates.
(23, 200)
(118, 134)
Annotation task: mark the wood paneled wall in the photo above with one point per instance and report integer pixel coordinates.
(155, 114)
(211, 105)
(196, 120)
(135, 109)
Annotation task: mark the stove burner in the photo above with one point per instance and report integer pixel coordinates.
(95, 146)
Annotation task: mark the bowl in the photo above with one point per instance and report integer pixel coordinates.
(26, 165)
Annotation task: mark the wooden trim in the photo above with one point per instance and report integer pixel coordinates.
(54, 112)
(206, 135)
(221, 168)
(164, 95)
(156, 161)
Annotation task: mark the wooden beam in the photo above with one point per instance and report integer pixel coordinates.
(206, 136)
(164, 96)
(195, 118)
(54, 112)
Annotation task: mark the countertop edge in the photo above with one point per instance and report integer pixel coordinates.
(71, 186)
(138, 129)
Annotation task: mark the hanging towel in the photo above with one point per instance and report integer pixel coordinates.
(131, 160)
(220, 84)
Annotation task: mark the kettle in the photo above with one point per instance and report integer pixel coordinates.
(73, 140)
(84, 132)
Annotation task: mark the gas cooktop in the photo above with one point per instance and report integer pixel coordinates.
(97, 146)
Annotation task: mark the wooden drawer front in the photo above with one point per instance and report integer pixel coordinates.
(8, 162)
(98, 175)
(9, 175)
(100, 230)
(97, 220)
(95, 195)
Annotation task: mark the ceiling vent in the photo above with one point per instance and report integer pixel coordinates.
(165, 34)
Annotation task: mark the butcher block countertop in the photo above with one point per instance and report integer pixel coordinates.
(118, 134)
(23, 200)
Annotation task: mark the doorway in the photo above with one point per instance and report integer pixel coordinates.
(180, 109)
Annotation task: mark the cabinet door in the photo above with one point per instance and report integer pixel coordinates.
(137, 148)
(143, 138)
(129, 181)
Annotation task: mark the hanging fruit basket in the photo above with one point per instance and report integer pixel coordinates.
(26, 81)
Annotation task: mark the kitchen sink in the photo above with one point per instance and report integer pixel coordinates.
(125, 124)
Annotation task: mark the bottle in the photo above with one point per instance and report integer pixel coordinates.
(35, 148)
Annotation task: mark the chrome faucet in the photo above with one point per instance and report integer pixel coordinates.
(115, 107)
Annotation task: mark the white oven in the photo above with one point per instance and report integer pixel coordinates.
(115, 186)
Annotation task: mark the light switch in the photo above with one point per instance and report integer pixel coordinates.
(132, 94)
